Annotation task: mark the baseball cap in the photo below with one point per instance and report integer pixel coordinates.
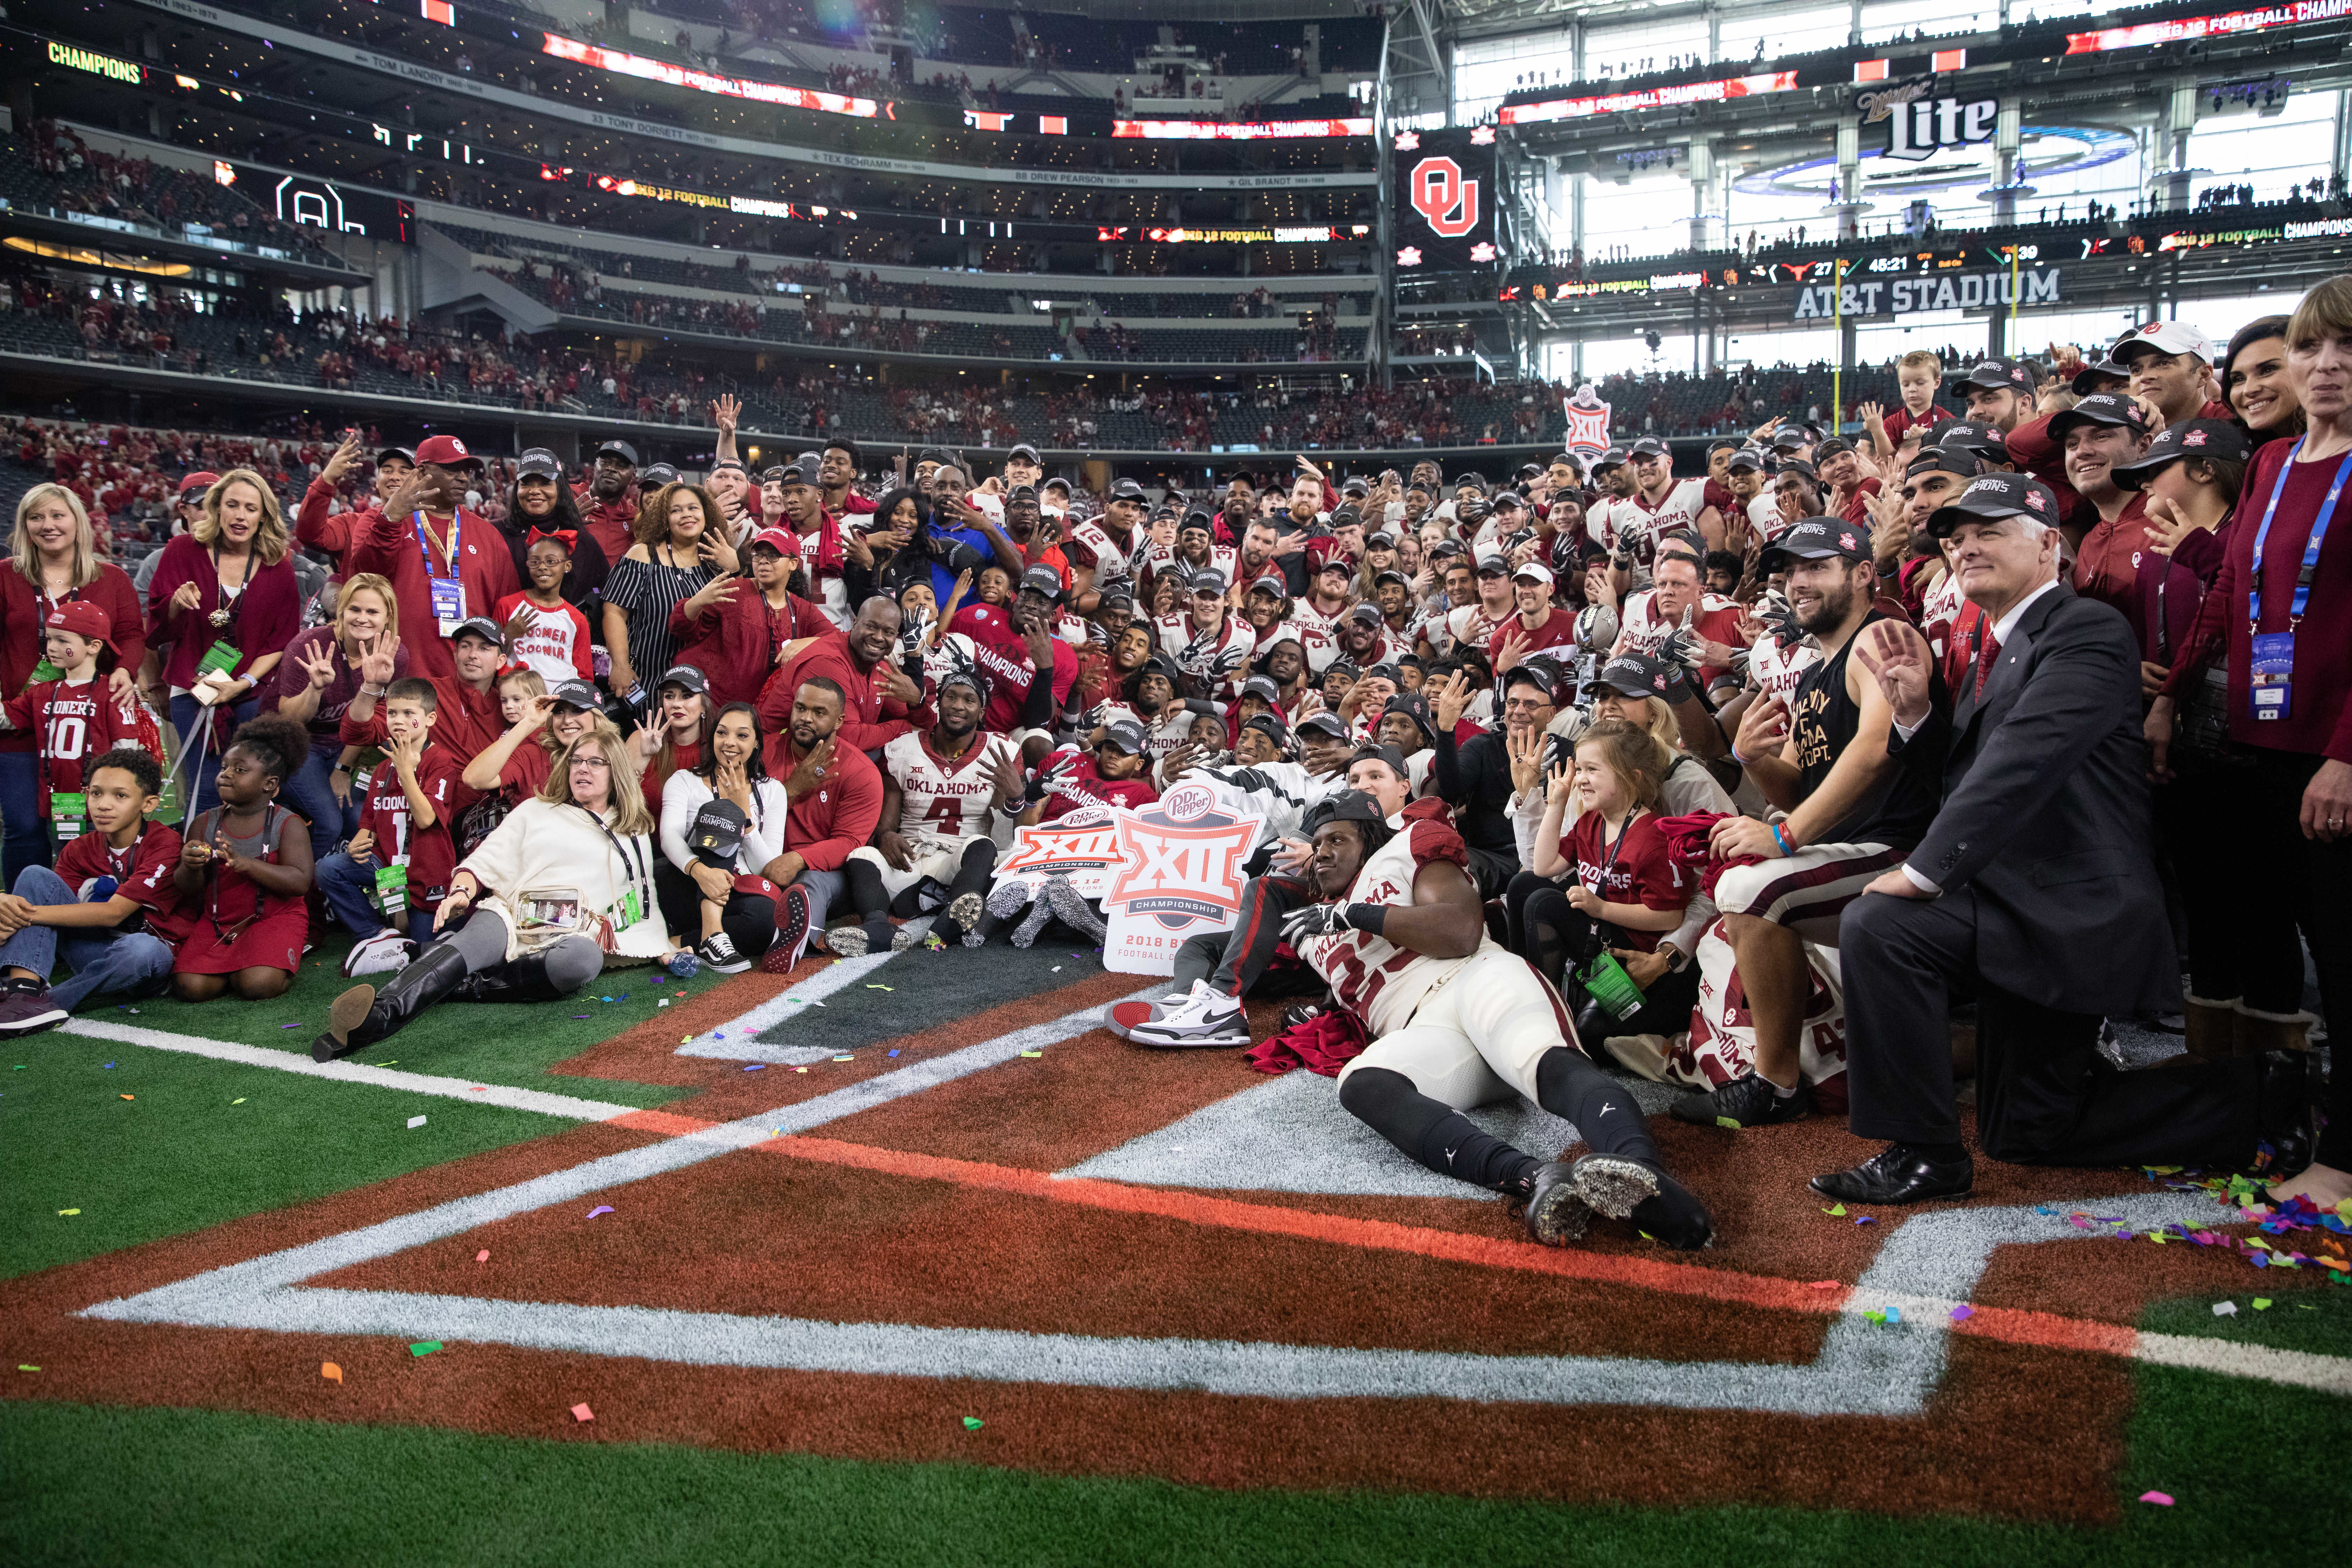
(1021, 493)
(2094, 378)
(1533, 572)
(801, 470)
(686, 676)
(1816, 539)
(538, 463)
(1632, 675)
(729, 464)
(1797, 466)
(1330, 724)
(2162, 337)
(82, 620)
(2108, 408)
(1347, 517)
(1274, 583)
(1992, 496)
(2001, 375)
(1207, 580)
(1368, 614)
(580, 694)
(620, 449)
(1380, 752)
(446, 452)
(1477, 480)
(1416, 707)
(1334, 559)
(481, 626)
(1942, 459)
(1355, 487)
(1346, 667)
(1024, 450)
(204, 478)
(1789, 437)
(1974, 435)
(1126, 734)
(1057, 483)
(1535, 673)
(940, 456)
(1612, 458)
(1648, 447)
(1492, 561)
(1747, 459)
(1348, 805)
(1198, 522)
(1380, 539)
(2218, 439)
(405, 454)
(1392, 575)
(1116, 599)
(783, 540)
(1042, 580)
(1833, 446)
(1262, 686)
(656, 475)
(1128, 490)
(1271, 726)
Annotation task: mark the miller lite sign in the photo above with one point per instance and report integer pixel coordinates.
(1918, 126)
(1179, 874)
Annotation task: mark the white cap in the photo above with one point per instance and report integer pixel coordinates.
(2164, 338)
(1533, 572)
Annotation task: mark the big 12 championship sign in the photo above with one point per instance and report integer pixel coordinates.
(1180, 874)
(1445, 198)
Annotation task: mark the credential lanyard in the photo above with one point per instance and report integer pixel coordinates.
(638, 869)
(2310, 567)
(425, 539)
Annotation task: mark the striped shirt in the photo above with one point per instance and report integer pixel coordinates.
(647, 592)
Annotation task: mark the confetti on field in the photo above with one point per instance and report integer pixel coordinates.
(1867, 1219)
(1826, 1284)
(2161, 1500)
(1963, 1313)
(757, 1066)
(844, 1059)
(483, 1256)
(1894, 1314)
(68, 1211)
(662, 1003)
(800, 1069)
(600, 1208)
(579, 1014)
(130, 1097)
(289, 1025)
(1056, 970)
(110, 1067)
(415, 1122)
(972, 1424)
(1032, 1053)
(2225, 1308)
(872, 987)
(424, 1348)
(1875, 1316)
(22, 1367)
(1837, 1212)
(2262, 1303)
(582, 1413)
(894, 1053)
(331, 1372)
(238, 1100)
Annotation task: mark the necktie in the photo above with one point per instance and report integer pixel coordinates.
(1988, 652)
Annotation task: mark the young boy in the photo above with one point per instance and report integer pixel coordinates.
(544, 629)
(73, 715)
(384, 884)
(111, 909)
(1919, 375)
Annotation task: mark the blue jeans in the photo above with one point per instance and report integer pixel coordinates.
(27, 841)
(199, 792)
(349, 888)
(105, 963)
(312, 793)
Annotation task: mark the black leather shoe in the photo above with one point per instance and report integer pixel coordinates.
(1899, 1174)
(2287, 1119)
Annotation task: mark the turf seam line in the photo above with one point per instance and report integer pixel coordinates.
(571, 1107)
(742, 1043)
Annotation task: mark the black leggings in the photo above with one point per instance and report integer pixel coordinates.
(1552, 935)
(1440, 1137)
(749, 919)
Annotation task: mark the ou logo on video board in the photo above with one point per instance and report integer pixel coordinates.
(1180, 874)
(1446, 201)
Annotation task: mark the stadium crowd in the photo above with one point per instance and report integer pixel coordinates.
(1743, 780)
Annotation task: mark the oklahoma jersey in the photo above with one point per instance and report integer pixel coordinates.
(944, 798)
(1635, 520)
(1373, 978)
(75, 722)
(1776, 669)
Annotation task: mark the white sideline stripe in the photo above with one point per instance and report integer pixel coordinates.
(742, 1043)
(2302, 1369)
(242, 1287)
(564, 1105)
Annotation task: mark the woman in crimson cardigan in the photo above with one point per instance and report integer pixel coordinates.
(227, 584)
(53, 559)
(2290, 813)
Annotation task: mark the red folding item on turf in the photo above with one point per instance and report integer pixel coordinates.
(1323, 1044)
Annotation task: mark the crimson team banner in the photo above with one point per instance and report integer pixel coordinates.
(1445, 198)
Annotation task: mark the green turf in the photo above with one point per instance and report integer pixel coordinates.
(2297, 1319)
(84, 1485)
(513, 1046)
(178, 1155)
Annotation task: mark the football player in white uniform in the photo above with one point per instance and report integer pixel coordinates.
(939, 789)
(1458, 1021)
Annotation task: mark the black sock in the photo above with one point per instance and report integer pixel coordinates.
(1434, 1133)
(866, 894)
(1570, 1087)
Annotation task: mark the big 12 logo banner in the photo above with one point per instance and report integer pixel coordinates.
(1180, 874)
(1445, 198)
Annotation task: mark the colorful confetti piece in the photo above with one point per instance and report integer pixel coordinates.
(2225, 1308)
(1032, 1053)
(483, 1256)
(972, 1423)
(68, 1211)
(424, 1348)
(1836, 1212)
(415, 1122)
(1963, 1313)
(757, 1066)
(582, 1413)
(331, 1372)
(2161, 1500)
(600, 1208)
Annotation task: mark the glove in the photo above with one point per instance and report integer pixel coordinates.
(1330, 919)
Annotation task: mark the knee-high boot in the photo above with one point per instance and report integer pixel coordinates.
(364, 1015)
(522, 980)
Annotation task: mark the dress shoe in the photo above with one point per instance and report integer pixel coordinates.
(1899, 1174)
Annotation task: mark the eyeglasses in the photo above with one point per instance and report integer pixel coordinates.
(589, 763)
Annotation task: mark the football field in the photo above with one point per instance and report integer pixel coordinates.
(902, 1258)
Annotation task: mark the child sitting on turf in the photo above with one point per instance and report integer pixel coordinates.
(545, 631)
(111, 909)
(244, 870)
(72, 715)
(383, 885)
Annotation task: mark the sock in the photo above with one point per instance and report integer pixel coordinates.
(1570, 1087)
(1438, 1136)
(1787, 1093)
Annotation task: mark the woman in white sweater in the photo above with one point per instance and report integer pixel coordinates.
(563, 886)
(704, 884)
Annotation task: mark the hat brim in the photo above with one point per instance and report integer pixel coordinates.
(2067, 419)
(1944, 519)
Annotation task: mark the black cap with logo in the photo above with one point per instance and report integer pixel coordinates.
(1815, 539)
(2113, 409)
(1991, 497)
(2216, 440)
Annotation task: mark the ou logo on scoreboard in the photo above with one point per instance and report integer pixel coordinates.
(1444, 198)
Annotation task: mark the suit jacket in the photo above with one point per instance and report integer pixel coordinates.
(2046, 816)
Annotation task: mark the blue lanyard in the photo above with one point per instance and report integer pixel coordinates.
(2311, 547)
(424, 534)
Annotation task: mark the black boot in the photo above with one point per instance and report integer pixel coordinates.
(524, 980)
(363, 1015)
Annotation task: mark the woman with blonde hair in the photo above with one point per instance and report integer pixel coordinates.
(679, 550)
(226, 597)
(562, 886)
(316, 682)
(53, 561)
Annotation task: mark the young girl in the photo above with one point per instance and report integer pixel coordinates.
(546, 632)
(244, 871)
(1628, 887)
(995, 586)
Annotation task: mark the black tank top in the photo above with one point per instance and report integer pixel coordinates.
(1823, 719)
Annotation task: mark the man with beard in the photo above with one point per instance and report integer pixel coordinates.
(1263, 553)
(1197, 549)
(1210, 644)
(1215, 971)
(1928, 589)
(837, 468)
(1457, 1021)
(940, 790)
(2099, 435)
(2001, 394)
(836, 798)
(608, 502)
(1854, 810)
(1365, 639)
(876, 695)
(1016, 648)
(1317, 616)
(1537, 622)
(1840, 468)
(1306, 507)
(446, 563)
(1680, 610)
(1659, 504)
(2171, 368)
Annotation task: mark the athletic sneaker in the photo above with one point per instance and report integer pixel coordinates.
(1201, 1016)
(849, 942)
(1748, 1101)
(1556, 1213)
(718, 951)
(1073, 910)
(381, 953)
(26, 1007)
(1007, 899)
(792, 931)
(962, 916)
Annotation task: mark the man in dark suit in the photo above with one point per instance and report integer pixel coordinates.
(2034, 890)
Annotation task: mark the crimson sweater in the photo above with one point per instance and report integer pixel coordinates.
(390, 545)
(838, 815)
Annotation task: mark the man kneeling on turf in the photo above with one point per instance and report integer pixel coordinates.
(110, 908)
(1457, 1021)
